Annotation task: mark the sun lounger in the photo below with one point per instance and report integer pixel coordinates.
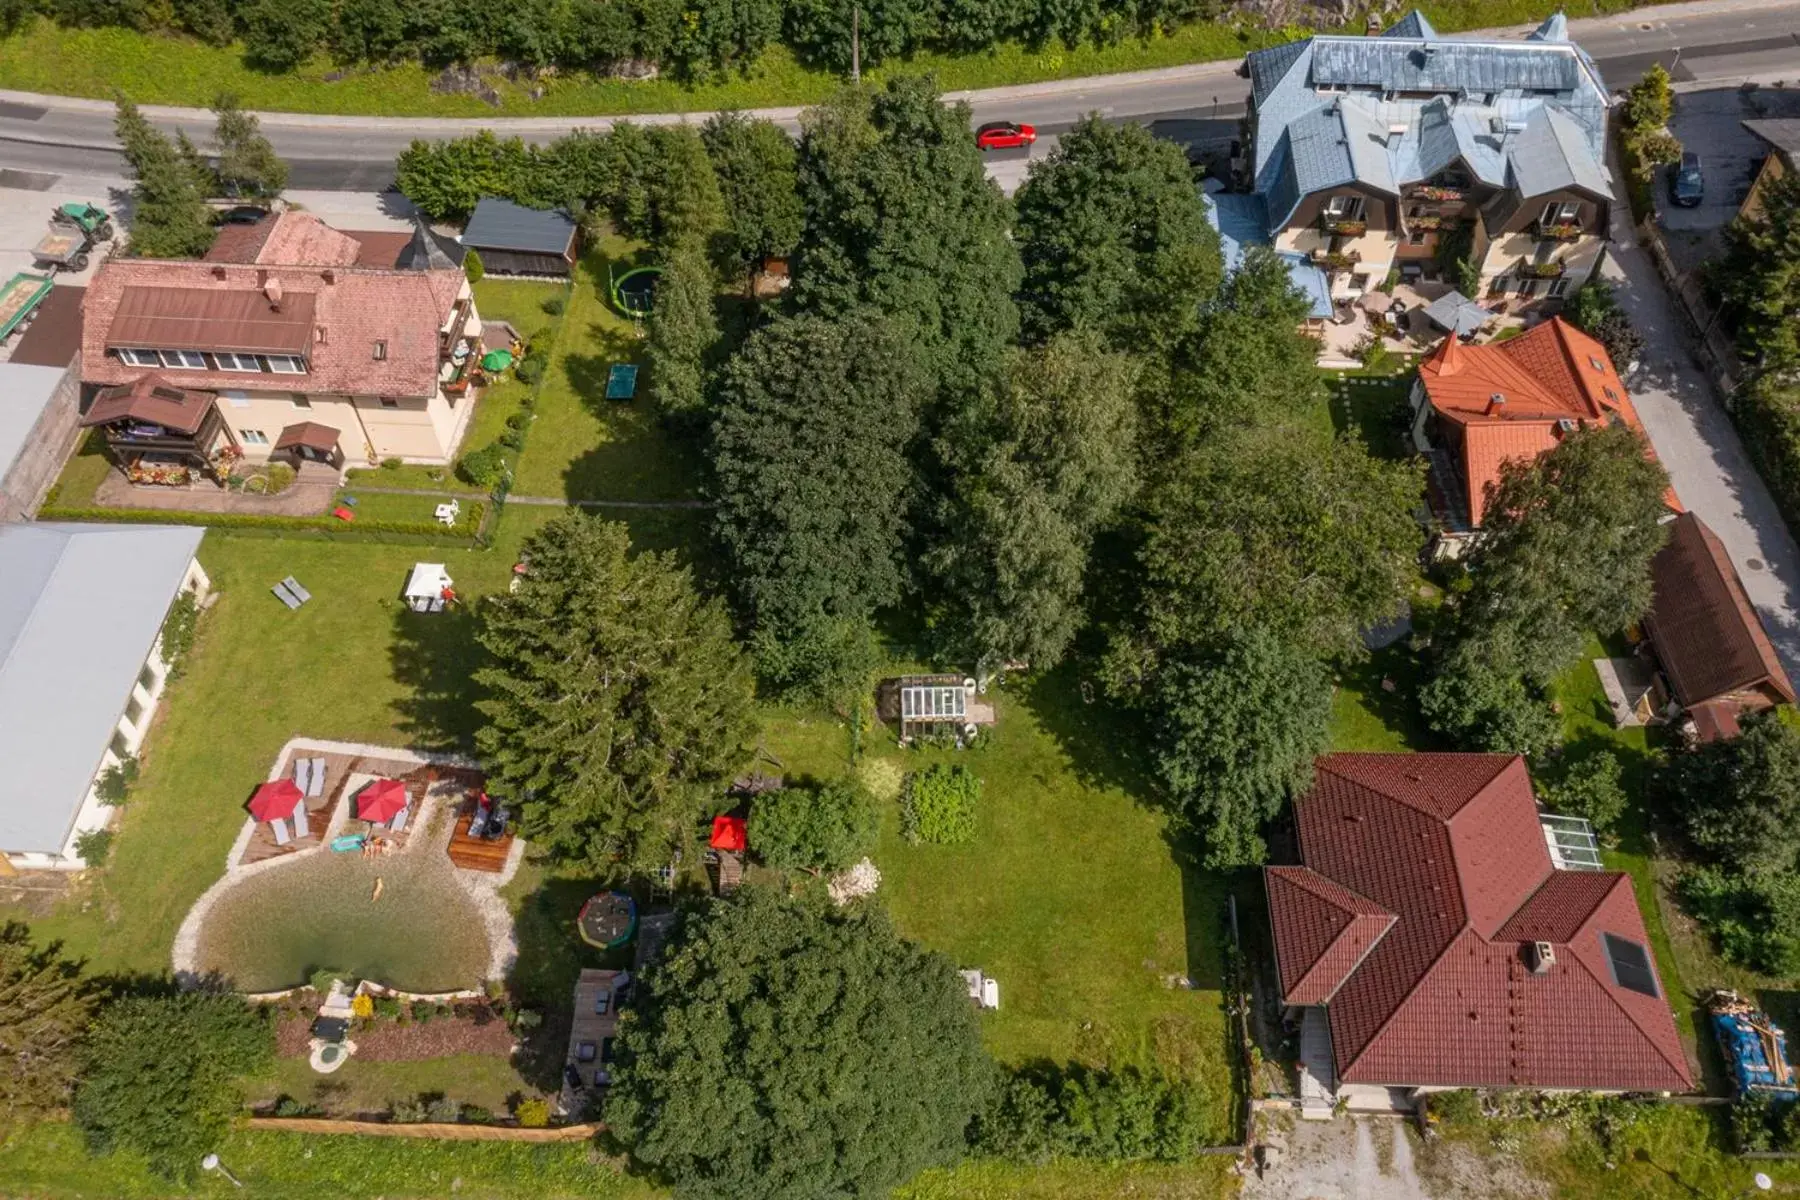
(317, 786)
(286, 597)
(300, 829)
(300, 593)
(399, 821)
(303, 774)
(279, 829)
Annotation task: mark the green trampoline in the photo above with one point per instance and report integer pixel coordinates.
(634, 292)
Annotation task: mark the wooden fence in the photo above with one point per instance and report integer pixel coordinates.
(426, 1129)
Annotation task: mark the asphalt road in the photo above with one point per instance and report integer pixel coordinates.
(1720, 41)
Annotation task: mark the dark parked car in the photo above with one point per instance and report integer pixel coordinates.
(1687, 185)
(1004, 135)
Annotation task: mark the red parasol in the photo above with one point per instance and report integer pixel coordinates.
(275, 801)
(729, 833)
(382, 800)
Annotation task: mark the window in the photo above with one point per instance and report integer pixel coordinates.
(147, 678)
(379, 353)
(287, 364)
(1415, 237)
(1559, 287)
(1630, 964)
(389, 402)
(185, 360)
(301, 401)
(238, 362)
(1596, 364)
(1611, 395)
(253, 437)
(140, 358)
(1344, 208)
(1556, 213)
(134, 712)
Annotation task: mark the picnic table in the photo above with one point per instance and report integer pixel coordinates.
(621, 381)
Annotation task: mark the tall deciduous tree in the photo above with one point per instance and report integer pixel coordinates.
(809, 458)
(1037, 467)
(45, 1008)
(1740, 797)
(1238, 728)
(618, 705)
(901, 216)
(1761, 274)
(248, 165)
(757, 166)
(161, 1075)
(683, 331)
(1565, 552)
(827, 827)
(782, 1049)
(1114, 236)
(1293, 532)
(170, 218)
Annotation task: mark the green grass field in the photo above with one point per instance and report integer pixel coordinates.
(103, 62)
(583, 446)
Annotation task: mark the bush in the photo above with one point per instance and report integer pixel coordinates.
(113, 788)
(93, 846)
(388, 1008)
(178, 631)
(881, 778)
(472, 267)
(441, 1110)
(474, 1114)
(937, 805)
(1375, 356)
(529, 370)
(1590, 788)
(485, 467)
(362, 1007)
(1109, 1116)
(1754, 920)
(1767, 414)
(287, 1106)
(1460, 1107)
(391, 464)
(280, 477)
(532, 1114)
(527, 1019)
(554, 305)
(825, 828)
(421, 1011)
(322, 978)
(407, 1112)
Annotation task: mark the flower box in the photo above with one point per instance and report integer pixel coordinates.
(1544, 270)
(1339, 227)
(1440, 194)
(1562, 231)
(1335, 260)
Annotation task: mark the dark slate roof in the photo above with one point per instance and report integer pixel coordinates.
(503, 225)
(1707, 636)
(1448, 66)
(1783, 135)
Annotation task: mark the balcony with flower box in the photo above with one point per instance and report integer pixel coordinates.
(1344, 226)
(1336, 260)
(1552, 269)
(1558, 231)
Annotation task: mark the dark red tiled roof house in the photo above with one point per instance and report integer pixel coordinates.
(1430, 941)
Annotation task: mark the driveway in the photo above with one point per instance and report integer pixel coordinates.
(1373, 1158)
(26, 199)
(1710, 122)
(1698, 445)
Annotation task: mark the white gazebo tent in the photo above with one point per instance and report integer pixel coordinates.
(428, 588)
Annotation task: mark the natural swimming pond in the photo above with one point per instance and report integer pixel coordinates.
(273, 930)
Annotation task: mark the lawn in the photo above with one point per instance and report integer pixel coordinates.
(424, 934)
(1072, 895)
(81, 476)
(583, 446)
(1375, 408)
(362, 1086)
(103, 62)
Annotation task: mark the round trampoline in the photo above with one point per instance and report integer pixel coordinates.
(607, 920)
(634, 292)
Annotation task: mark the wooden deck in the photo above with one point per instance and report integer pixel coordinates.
(477, 854)
(322, 809)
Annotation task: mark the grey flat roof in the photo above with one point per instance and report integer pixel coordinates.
(24, 392)
(503, 225)
(80, 607)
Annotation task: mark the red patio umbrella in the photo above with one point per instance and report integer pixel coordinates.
(382, 800)
(729, 833)
(275, 801)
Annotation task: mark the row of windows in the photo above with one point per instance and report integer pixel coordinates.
(193, 360)
(1350, 208)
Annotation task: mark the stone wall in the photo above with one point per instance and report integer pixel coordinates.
(47, 448)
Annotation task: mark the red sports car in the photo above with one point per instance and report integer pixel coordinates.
(1004, 135)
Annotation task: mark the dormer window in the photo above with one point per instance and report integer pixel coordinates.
(1596, 364)
(237, 362)
(1560, 212)
(287, 364)
(1344, 208)
(140, 358)
(183, 360)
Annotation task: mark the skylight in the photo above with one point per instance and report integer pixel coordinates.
(1630, 964)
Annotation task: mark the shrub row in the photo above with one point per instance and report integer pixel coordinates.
(1044, 1113)
(1767, 414)
(467, 528)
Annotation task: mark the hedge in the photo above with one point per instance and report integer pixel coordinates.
(467, 530)
(1767, 414)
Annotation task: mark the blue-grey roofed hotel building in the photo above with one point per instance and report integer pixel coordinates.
(1367, 150)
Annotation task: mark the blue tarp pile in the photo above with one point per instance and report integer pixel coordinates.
(1755, 1049)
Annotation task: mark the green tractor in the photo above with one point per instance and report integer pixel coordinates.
(75, 229)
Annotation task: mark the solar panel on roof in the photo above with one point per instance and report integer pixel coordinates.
(1630, 964)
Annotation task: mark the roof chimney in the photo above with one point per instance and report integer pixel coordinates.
(1542, 957)
(319, 334)
(218, 272)
(272, 290)
(1496, 402)
(329, 276)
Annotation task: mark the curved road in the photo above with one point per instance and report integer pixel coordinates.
(1719, 41)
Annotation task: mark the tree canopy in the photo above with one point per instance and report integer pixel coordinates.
(1037, 466)
(160, 1075)
(45, 1008)
(783, 1049)
(901, 217)
(618, 705)
(1114, 237)
(683, 331)
(170, 218)
(1239, 728)
(1760, 274)
(1564, 553)
(828, 826)
(811, 474)
(757, 166)
(248, 166)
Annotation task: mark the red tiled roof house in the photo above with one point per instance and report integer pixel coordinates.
(1476, 407)
(1429, 940)
(281, 328)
